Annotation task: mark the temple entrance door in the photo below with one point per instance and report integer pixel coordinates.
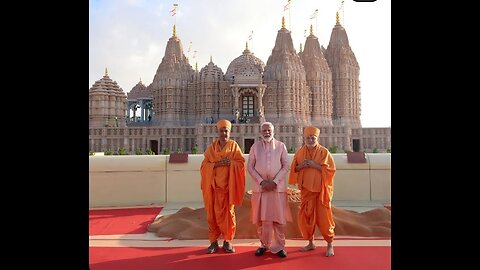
(356, 145)
(248, 144)
(154, 146)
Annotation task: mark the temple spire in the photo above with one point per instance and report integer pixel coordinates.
(106, 72)
(283, 22)
(211, 59)
(311, 29)
(196, 66)
(338, 18)
(246, 45)
(300, 47)
(174, 31)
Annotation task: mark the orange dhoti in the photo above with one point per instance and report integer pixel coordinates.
(220, 216)
(312, 212)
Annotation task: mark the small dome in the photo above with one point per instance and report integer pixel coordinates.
(211, 72)
(106, 85)
(246, 68)
(139, 91)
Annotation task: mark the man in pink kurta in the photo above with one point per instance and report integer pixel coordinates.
(268, 165)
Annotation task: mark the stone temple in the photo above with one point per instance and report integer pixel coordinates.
(177, 112)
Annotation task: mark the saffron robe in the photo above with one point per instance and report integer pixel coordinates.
(222, 188)
(316, 188)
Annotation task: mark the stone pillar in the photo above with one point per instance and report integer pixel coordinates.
(236, 95)
(129, 103)
(142, 109)
(183, 146)
(199, 138)
(261, 111)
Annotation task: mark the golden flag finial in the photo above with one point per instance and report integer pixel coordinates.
(246, 45)
(311, 29)
(140, 79)
(211, 58)
(174, 30)
(338, 12)
(196, 66)
(300, 47)
(106, 72)
(283, 22)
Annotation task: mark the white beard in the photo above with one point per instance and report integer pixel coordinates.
(269, 139)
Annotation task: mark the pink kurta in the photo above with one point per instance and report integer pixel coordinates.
(269, 161)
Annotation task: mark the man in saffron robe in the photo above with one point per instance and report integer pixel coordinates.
(313, 170)
(223, 186)
(268, 165)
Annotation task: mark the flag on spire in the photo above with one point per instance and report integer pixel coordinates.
(250, 36)
(287, 6)
(315, 14)
(341, 6)
(174, 9)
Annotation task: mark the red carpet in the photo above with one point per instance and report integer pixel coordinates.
(346, 258)
(121, 221)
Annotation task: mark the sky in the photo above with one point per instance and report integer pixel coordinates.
(129, 37)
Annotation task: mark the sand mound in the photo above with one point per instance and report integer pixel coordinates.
(190, 223)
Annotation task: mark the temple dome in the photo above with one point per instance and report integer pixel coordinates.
(246, 68)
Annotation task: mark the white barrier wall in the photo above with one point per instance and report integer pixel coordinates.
(380, 177)
(127, 180)
(135, 180)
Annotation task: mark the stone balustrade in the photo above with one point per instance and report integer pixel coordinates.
(137, 180)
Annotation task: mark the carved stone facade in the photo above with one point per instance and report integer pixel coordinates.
(179, 109)
(107, 104)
